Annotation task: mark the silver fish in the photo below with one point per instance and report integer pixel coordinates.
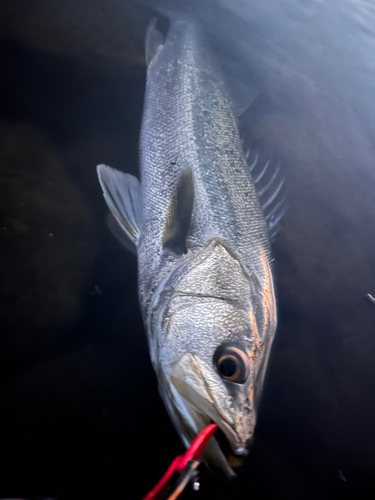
(205, 280)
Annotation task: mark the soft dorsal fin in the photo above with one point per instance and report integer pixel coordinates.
(122, 192)
(269, 181)
(178, 220)
(154, 42)
(243, 95)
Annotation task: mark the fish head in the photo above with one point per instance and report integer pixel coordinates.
(217, 330)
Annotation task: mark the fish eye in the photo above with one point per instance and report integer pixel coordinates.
(232, 364)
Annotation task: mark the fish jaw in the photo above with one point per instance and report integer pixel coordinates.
(188, 385)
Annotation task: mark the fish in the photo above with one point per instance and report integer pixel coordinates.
(200, 220)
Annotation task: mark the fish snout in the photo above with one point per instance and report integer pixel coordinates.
(244, 425)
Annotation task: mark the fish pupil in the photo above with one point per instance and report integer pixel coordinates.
(228, 367)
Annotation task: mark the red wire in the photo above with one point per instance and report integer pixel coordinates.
(194, 451)
(197, 447)
(158, 488)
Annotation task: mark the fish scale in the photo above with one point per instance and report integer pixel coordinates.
(182, 82)
(204, 261)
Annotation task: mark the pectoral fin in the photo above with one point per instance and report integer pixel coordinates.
(177, 224)
(122, 192)
(119, 234)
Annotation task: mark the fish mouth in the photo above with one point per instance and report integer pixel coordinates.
(225, 450)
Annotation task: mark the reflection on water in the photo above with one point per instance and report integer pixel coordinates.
(80, 410)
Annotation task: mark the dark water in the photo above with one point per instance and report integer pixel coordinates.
(80, 413)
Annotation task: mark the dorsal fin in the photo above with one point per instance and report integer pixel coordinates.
(269, 181)
(177, 223)
(243, 95)
(154, 42)
(122, 192)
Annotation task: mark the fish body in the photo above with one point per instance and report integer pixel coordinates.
(205, 269)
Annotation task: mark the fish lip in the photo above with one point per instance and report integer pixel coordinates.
(237, 447)
(215, 454)
(203, 411)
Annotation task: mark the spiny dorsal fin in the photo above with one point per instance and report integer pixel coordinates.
(269, 182)
(122, 192)
(177, 224)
